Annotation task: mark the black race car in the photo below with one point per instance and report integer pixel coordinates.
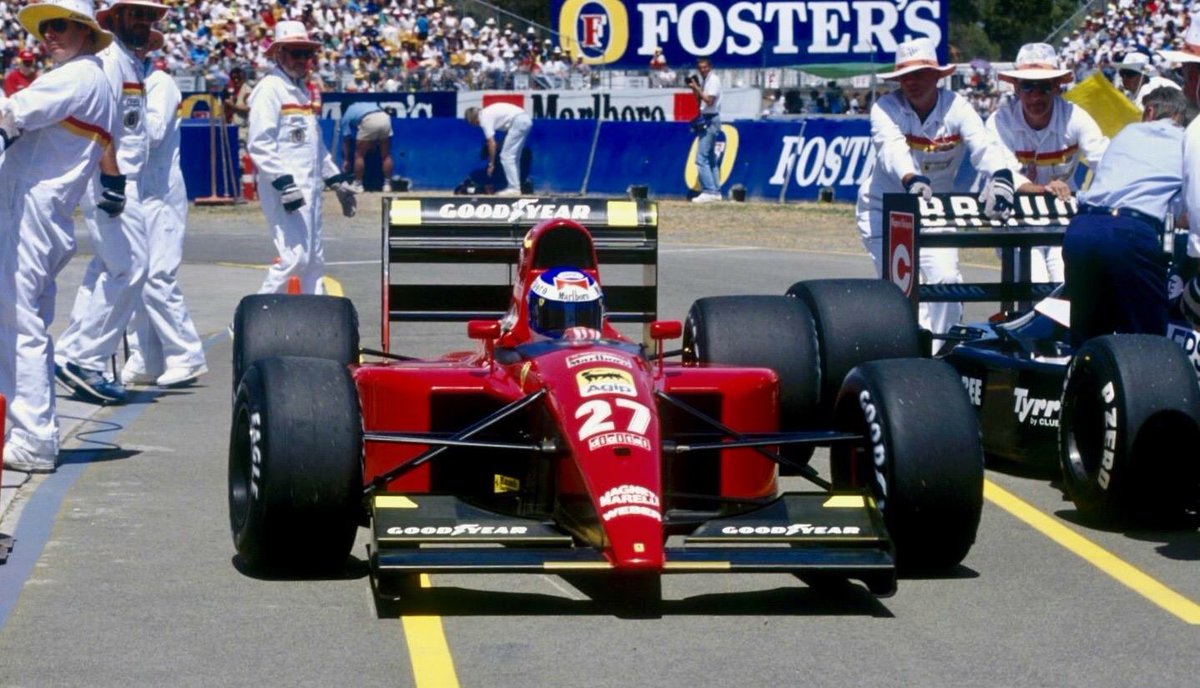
(1119, 415)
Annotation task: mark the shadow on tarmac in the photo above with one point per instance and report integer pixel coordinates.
(847, 600)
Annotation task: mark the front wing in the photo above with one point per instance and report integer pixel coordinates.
(836, 535)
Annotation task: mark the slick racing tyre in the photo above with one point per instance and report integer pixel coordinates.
(857, 320)
(1129, 429)
(921, 457)
(295, 466)
(266, 325)
(763, 332)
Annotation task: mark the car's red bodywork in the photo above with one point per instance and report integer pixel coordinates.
(603, 412)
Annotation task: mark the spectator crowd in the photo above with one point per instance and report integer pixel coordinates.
(403, 45)
(367, 45)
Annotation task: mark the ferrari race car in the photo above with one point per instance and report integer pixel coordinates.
(559, 445)
(1119, 416)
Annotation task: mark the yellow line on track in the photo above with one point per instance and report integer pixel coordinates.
(433, 667)
(1125, 573)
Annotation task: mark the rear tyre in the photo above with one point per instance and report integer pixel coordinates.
(764, 332)
(921, 457)
(1129, 430)
(295, 467)
(315, 326)
(856, 320)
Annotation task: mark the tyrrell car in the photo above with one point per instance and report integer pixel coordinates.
(1120, 415)
(560, 446)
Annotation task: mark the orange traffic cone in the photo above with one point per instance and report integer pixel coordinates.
(293, 285)
(249, 187)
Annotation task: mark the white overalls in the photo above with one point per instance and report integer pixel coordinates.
(163, 334)
(112, 285)
(67, 117)
(284, 138)
(1041, 156)
(935, 149)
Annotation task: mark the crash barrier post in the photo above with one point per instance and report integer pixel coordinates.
(911, 225)
(219, 154)
(475, 231)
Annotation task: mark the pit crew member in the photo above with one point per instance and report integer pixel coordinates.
(1046, 137)
(285, 144)
(52, 135)
(921, 134)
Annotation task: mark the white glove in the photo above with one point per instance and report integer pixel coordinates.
(999, 196)
(919, 185)
(1189, 302)
(290, 195)
(340, 183)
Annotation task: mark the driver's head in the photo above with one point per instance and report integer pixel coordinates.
(564, 297)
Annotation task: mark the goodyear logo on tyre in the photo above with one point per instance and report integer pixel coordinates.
(597, 30)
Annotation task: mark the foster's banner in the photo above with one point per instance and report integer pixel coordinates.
(746, 33)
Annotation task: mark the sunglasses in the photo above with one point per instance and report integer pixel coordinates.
(299, 54)
(1038, 86)
(141, 14)
(59, 25)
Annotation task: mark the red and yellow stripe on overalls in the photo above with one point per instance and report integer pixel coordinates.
(79, 127)
(940, 144)
(1048, 159)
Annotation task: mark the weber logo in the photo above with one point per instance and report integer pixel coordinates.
(524, 209)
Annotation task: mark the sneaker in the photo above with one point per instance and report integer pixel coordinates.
(357, 187)
(132, 376)
(19, 458)
(89, 385)
(704, 198)
(180, 376)
(387, 187)
(510, 191)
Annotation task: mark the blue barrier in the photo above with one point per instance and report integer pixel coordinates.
(194, 160)
(799, 158)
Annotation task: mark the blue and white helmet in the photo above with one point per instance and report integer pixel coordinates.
(564, 297)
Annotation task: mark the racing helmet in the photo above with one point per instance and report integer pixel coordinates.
(564, 297)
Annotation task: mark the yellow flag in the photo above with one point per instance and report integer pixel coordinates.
(1108, 106)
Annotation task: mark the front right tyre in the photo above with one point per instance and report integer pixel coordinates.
(295, 466)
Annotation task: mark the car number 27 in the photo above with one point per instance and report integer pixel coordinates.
(598, 411)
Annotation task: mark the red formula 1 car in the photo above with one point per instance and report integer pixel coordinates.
(559, 445)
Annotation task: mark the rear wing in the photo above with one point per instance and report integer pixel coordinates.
(438, 232)
(911, 225)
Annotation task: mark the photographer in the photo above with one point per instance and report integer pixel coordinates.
(707, 89)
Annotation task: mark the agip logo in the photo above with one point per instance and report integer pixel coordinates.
(597, 30)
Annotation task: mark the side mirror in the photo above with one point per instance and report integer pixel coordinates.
(660, 331)
(489, 332)
(483, 329)
(666, 329)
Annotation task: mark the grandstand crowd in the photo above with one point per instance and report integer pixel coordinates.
(407, 45)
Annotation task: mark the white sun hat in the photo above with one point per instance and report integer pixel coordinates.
(291, 33)
(915, 55)
(80, 11)
(108, 6)
(1036, 62)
